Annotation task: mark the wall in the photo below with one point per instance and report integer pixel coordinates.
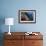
(9, 8)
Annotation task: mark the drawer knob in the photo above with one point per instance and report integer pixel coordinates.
(33, 42)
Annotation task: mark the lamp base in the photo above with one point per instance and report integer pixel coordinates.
(9, 33)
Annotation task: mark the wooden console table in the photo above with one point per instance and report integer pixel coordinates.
(20, 39)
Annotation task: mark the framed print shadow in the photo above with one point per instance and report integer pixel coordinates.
(27, 16)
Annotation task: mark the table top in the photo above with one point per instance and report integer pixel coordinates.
(22, 35)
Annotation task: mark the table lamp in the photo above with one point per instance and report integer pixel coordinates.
(9, 21)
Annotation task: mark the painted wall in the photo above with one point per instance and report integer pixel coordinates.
(9, 8)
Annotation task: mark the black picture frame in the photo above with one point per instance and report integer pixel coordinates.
(27, 16)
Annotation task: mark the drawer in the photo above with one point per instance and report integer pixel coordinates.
(33, 37)
(9, 43)
(13, 43)
(16, 37)
(33, 43)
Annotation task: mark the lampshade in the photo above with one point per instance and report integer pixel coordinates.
(9, 21)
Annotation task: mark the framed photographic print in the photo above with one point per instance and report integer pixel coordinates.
(27, 16)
